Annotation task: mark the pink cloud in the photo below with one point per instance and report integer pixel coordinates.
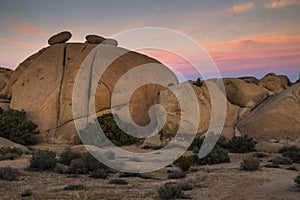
(240, 8)
(275, 4)
(28, 29)
(13, 42)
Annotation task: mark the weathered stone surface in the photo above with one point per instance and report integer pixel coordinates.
(7, 143)
(110, 42)
(275, 83)
(5, 75)
(94, 39)
(244, 94)
(59, 38)
(278, 117)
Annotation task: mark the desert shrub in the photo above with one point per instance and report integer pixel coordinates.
(242, 144)
(250, 164)
(171, 191)
(74, 187)
(10, 153)
(110, 129)
(42, 160)
(260, 155)
(59, 169)
(216, 156)
(85, 164)
(198, 141)
(186, 186)
(99, 173)
(291, 152)
(279, 160)
(292, 168)
(184, 163)
(26, 193)
(67, 156)
(177, 175)
(3, 96)
(118, 182)
(271, 165)
(198, 82)
(137, 175)
(8, 173)
(15, 126)
(297, 181)
(289, 149)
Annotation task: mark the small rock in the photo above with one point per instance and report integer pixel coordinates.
(111, 42)
(59, 38)
(94, 39)
(26, 193)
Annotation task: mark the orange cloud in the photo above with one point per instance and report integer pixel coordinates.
(28, 29)
(240, 8)
(13, 42)
(275, 4)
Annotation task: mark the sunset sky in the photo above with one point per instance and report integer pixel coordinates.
(244, 38)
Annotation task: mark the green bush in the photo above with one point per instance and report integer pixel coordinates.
(250, 164)
(242, 144)
(186, 186)
(10, 153)
(279, 160)
(184, 163)
(85, 164)
(260, 155)
(67, 156)
(198, 141)
(118, 182)
(99, 173)
(198, 82)
(216, 156)
(15, 126)
(177, 175)
(8, 173)
(291, 152)
(42, 160)
(171, 191)
(297, 181)
(111, 130)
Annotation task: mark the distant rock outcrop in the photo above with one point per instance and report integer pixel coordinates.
(275, 83)
(5, 75)
(278, 117)
(59, 38)
(94, 39)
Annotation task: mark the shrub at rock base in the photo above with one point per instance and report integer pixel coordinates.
(184, 163)
(8, 173)
(297, 181)
(15, 126)
(171, 191)
(250, 164)
(42, 160)
(242, 144)
(291, 152)
(216, 156)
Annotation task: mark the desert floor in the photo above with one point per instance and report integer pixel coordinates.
(224, 181)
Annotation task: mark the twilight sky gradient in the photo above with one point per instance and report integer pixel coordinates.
(243, 37)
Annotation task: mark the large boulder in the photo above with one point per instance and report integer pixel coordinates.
(94, 39)
(278, 117)
(168, 100)
(275, 83)
(244, 93)
(7, 143)
(112, 42)
(5, 75)
(43, 84)
(59, 38)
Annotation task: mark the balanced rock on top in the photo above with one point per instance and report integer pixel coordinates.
(59, 38)
(94, 39)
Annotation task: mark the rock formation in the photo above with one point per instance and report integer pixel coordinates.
(59, 38)
(94, 39)
(5, 75)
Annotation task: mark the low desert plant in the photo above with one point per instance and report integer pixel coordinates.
(171, 191)
(297, 181)
(289, 149)
(177, 175)
(10, 153)
(291, 152)
(15, 126)
(137, 175)
(216, 156)
(260, 155)
(271, 165)
(279, 160)
(42, 160)
(99, 173)
(74, 187)
(67, 156)
(8, 173)
(184, 163)
(250, 164)
(242, 144)
(186, 186)
(198, 82)
(118, 182)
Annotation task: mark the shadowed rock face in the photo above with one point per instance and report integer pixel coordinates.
(43, 84)
(278, 117)
(5, 75)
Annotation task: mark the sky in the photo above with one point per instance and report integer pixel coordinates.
(244, 38)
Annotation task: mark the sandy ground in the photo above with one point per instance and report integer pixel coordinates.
(225, 181)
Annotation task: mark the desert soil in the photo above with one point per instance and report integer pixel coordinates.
(224, 181)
